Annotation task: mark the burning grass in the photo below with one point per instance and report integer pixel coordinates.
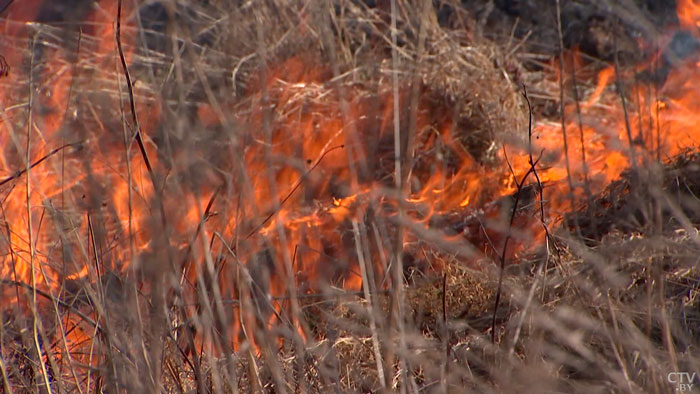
(333, 197)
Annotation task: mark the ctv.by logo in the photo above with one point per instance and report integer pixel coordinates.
(682, 380)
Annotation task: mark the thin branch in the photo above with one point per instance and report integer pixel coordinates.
(21, 172)
(520, 185)
(130, 90)
(48, 296)
(499, 289)
(294, 188)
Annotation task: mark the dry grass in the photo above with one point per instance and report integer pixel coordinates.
(238, 302)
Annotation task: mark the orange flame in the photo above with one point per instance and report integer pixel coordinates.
(688, 14)
(297, 192)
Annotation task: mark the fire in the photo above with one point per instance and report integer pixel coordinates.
(280, 202)
(688, 14)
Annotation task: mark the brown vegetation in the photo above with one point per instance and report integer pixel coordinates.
(346, 196)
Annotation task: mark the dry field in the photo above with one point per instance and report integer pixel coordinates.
(297, 196)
